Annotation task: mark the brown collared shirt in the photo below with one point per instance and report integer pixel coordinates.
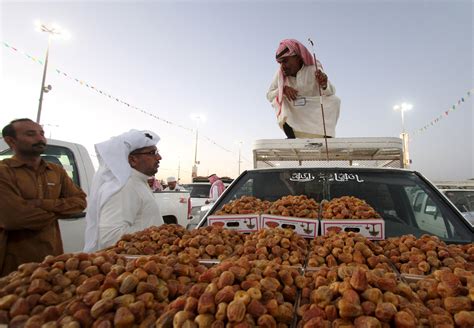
(30, 232)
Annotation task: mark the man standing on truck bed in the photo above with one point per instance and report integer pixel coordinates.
(33, 195)
(294, 94)
(120, 200)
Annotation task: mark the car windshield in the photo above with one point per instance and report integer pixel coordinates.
(407, 204)
(198, 190)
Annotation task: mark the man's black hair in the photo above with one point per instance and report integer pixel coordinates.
(9, 130)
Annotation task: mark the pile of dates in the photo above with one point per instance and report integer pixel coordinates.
(450, 297)
(354, 296)
(95, 290)
(237, 294)
(40, 292)
(348, 281)
(245, 205)
(150, 241)
(282, 246)
(295, 206)
(348, 207)
(346, 247)
(170, 239)
(424, 255)
(211, 243)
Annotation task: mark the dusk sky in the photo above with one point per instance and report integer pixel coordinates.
(216, 58)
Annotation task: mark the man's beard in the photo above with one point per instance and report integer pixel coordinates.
(34, 151)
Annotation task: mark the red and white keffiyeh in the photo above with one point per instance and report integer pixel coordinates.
(294, 48)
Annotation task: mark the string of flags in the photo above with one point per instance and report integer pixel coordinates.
(216, 144)
(444, 114)
(113, 98)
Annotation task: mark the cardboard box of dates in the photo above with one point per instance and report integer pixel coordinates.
(307, 228)
(298, 213)
(242, 214)
(250, 214)
(351, 214)
(240, 222)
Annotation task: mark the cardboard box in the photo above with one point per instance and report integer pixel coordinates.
(243, 222)
(307, 228)
(373, 229)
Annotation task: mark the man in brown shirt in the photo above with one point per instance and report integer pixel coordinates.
(33, 195)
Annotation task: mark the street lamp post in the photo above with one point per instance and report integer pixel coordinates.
(194, 170)
(240, 151)
(179, 168)
(53, 30)
(404, 135)
(197, 118)
(38, 116)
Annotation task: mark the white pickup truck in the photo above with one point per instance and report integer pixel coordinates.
(175, 206)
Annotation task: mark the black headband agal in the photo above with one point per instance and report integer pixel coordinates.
(284, 51)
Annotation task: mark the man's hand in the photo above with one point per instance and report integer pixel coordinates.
(322, 79)
(290, 93)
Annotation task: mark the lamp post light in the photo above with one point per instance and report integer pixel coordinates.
(53, 30)
(403, 108)
(198, 118)
(404, 135)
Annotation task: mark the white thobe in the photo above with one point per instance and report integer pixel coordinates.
(214, 193)
(304, 115)
(132, 209)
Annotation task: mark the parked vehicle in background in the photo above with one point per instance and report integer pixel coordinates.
(461, 194)
(199, 191)
(407, 201)
(175, 206)
(463, 199)
(426, 215)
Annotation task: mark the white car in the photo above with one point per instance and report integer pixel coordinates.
(463, 199)
(199, 193)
